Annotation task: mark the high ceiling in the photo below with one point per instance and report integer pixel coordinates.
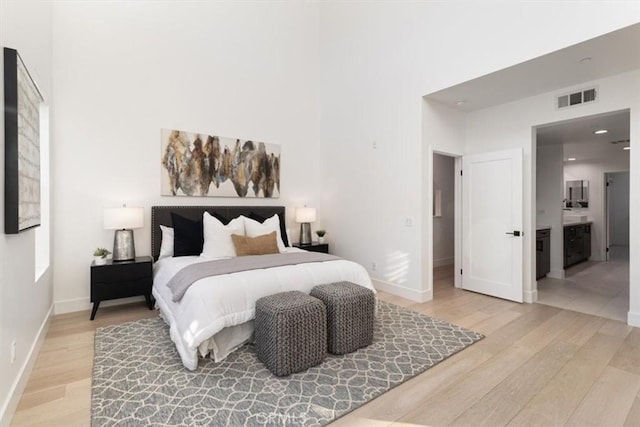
(610, 54)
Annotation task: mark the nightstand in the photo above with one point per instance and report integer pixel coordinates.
(120, 280)
(314, 247)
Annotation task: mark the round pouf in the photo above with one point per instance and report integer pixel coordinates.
(290, 332)
(350, 315)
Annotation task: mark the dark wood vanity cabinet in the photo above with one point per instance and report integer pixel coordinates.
(577, 244)
(543, 253)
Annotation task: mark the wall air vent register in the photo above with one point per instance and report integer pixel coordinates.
(576, 98)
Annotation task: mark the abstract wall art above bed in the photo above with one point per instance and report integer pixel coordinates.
(197, 164)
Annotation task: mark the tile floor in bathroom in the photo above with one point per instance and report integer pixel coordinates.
(592, 287)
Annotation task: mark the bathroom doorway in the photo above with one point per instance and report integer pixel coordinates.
(582, 202)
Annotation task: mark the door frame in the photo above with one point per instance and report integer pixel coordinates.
(458, 191)
(607, 220)
(607, 195)
(457, 228)
(534, 172)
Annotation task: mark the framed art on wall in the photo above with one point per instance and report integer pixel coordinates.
(206, 165)
(22, 101)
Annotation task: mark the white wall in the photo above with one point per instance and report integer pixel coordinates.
(549, 195)
(325, 80)
(443, 131)
(24, 303)
(125, 70)
(510, 125)
(378, 60)
(594, 171)
(443, 226)
(619, 208)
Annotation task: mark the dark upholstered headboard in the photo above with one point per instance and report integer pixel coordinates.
(161, 215)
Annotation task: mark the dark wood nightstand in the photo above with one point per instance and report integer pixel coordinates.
(120, 280)
(314, 247)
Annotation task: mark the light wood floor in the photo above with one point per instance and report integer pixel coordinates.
(538, 365)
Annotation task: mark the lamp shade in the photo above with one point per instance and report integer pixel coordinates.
(305, 214)
(123, 218)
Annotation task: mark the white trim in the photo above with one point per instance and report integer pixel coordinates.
(556, 274)
(443, 262)
(18, 386)
(457, 228)
(633, 319)
(82, 304)
(530, 296)
(404, 292)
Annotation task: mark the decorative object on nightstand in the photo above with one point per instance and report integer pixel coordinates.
(305, 216)
(321, 234)
(123, 220)
(100, 256)
(313, 247)
(115, 280)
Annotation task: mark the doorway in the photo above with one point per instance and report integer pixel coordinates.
(617, 215)
(582, 204)
(443, 230)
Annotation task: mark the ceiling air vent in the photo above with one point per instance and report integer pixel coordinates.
(576, 98)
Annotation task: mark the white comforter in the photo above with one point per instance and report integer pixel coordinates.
(215, 303)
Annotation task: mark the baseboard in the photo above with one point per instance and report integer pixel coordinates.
(82, 304)
(443, 262)
(18, 386)
(633, 319)
(401, 291)
(556, 274)
(530, 296)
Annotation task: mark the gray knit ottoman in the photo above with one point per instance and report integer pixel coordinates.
(350, 315)
(290, 332)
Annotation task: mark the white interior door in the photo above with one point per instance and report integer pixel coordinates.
(492, 219)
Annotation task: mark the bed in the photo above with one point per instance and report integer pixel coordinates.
(215, 315)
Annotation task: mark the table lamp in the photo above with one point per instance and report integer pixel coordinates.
(305, 216)
(123, 220)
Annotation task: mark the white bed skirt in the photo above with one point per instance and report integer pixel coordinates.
(215, 316)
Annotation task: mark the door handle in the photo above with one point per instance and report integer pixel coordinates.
(515, 233)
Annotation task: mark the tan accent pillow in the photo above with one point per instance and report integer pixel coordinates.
(260, 245)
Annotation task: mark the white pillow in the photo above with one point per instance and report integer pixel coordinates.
(253, 228)
(217, 236)
(166, 244)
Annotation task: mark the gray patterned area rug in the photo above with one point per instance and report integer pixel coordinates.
(138, 378)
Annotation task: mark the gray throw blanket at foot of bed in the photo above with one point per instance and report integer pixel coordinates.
(194, 272)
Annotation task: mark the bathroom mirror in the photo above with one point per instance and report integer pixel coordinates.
(577, 193)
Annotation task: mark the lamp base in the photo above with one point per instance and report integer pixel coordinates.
(305, 233)
(123, 246)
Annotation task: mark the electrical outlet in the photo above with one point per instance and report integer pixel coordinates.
(375, 145)
(408, 222)
(13, 352)
(374, 266)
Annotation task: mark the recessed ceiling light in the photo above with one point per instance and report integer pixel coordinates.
(461, 102)
(600, 131)
(626, 148)
(571, 159)
(585, 59)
